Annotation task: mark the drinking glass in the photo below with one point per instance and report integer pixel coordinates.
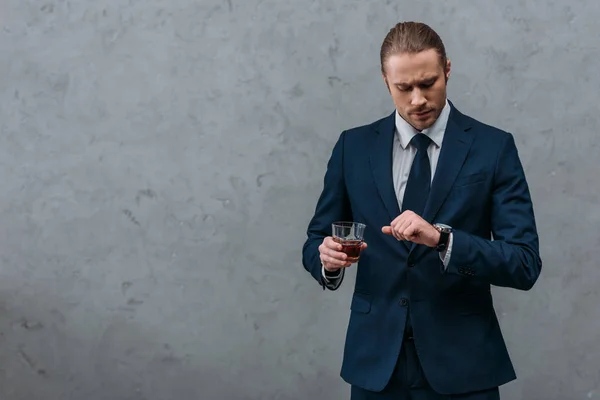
(350, 235)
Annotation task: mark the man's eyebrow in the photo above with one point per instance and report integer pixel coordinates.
(419, 82)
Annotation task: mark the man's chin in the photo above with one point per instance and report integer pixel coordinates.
(422, 125)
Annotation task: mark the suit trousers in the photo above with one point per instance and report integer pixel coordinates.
(408, 382)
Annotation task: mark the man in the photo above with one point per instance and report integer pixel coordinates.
(448, 214)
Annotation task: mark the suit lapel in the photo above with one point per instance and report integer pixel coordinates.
(381, 165)
(455, 148)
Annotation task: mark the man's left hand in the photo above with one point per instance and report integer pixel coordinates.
(410, 226)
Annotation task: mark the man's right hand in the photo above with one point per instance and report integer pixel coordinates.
(331, 256)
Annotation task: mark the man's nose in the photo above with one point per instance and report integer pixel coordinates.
(417, 98)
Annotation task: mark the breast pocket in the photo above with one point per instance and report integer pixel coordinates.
(470, 179)
(470, 186)
(469, 197)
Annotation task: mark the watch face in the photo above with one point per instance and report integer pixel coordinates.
(443, 227)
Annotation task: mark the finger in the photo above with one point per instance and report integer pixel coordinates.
(334, 261)
(396, 220)
(330, 248)
(405, 216)
(334, 268)
(363, 246)
(389, 230)
(408, 214)
(411, 232)
(394, 226)
(397, 228)
(404, 223)
(396, 231)
(338, 255)
(332, 244)
(326, 253)
(404, 230)
(401, 217)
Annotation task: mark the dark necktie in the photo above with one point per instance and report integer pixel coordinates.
(419, 179)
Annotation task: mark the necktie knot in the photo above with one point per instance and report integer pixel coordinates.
(421, 142)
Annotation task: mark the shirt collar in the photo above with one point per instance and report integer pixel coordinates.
(405, 131)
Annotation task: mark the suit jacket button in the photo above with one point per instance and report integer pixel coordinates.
(404, 302)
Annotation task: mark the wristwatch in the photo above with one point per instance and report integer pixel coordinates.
(444, 231)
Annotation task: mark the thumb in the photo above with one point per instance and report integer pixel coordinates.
(387, 230)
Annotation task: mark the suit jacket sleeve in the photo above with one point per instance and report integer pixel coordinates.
(512, 258)
(332, 205)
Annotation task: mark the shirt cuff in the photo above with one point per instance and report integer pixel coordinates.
(328, 276)
(445, 255)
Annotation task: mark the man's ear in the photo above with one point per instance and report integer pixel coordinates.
(386, 83)
(447, 70)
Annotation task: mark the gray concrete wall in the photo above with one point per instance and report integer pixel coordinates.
(160, 160)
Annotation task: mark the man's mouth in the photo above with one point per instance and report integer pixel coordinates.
(423, 113)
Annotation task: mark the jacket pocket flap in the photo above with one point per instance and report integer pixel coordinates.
(361, 303)
(470, 179)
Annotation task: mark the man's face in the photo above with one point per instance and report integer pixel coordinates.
(417, 83)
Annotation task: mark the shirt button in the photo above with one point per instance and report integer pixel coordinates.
(404, 302)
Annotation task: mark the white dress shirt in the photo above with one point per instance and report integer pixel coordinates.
(403, 156)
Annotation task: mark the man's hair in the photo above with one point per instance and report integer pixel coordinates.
(411, 37)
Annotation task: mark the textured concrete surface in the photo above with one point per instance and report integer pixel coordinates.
(160, 160)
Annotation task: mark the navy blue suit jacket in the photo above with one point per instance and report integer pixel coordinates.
(479, 189)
